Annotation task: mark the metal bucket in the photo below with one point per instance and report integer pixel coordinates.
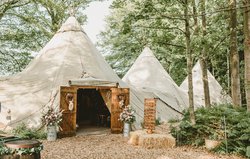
(51, 133)
(126, 129)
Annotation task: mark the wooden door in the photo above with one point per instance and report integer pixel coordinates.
(68, 124)
(118, 94)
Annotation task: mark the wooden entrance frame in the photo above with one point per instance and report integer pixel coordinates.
(69, 93)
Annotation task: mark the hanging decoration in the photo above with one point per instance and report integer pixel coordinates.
(122, 99)
(69, 98)
(8, 117)
(71, 105)
(108, 94)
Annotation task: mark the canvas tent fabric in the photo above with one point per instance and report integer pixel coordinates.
(69, 55)
(147, 75)
(217, 95)
(90, 81)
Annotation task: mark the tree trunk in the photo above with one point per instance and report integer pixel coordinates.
(246, 3)
(204, 56)
(234, 57)
(196, 28)
(189, 64)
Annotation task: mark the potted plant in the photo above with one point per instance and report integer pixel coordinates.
(127, 117)
(51, 118)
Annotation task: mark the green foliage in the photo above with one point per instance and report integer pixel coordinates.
(248, 151)
(27, 25)
(157, 121)
(26, 151)
(20, 151)
(2, 132)
(5, 151)
(142, 124)
(173, 121)
(24, 132)
(210, 124)
(159, 24)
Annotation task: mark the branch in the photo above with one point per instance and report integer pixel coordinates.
(218, 44)
(178, 16)
(31, 21)
(20, 5)
(162, 28)
(164, 17)
(12, 56)
(9, 5)
(173, 45)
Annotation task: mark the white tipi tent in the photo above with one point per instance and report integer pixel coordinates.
(68, 55)
(217, 96)
(147, 75)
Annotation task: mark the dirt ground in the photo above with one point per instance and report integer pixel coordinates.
(115, 146)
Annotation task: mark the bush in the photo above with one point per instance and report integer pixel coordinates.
(24, 132)
(157, 121)
(210, 124)
(5, 151)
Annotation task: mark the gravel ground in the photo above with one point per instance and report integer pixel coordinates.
(114, 146)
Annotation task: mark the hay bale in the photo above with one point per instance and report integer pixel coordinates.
(164, 157)
(134, 137)
(149, 131)
(156, 141)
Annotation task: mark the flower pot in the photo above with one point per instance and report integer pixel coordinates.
(51, 133)
(211, 144)
(126, 129)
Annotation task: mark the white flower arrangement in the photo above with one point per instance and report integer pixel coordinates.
(52, 116)
(127, 115)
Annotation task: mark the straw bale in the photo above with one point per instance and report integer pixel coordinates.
(156, 141)
(134, 137)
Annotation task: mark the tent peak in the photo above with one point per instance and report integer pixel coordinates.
(72, 11)
(71, 24)
(147, 52)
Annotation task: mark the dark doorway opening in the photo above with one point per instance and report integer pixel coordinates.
(91, 109)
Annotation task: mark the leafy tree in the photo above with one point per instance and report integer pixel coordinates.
(160, 25)
(6, 5)
(25, 27)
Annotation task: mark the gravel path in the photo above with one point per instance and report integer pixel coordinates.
(114, 146)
